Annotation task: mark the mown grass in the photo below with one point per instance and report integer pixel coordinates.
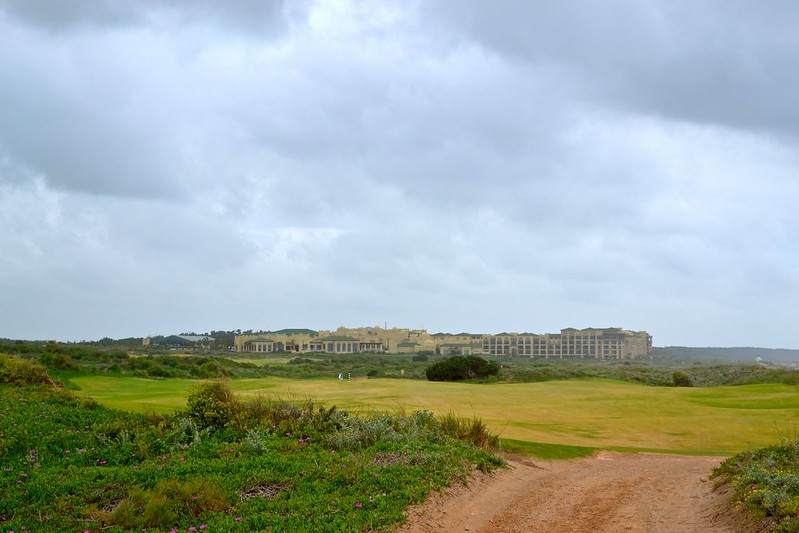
(543, 450)
(588, 413)
(222, 464)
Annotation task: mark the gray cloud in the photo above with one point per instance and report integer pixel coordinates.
(172, 166)
(724, 63)
(265, 16)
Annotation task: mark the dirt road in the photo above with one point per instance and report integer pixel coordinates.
(611, 492)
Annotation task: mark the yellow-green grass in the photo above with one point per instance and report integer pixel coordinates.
(590, 413)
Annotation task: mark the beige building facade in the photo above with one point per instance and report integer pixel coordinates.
(589, 343)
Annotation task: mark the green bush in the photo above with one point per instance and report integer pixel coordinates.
(681, 379)
(458, 368)
(212, 405)
(18, 372)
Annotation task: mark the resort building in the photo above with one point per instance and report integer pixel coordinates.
(595, 343)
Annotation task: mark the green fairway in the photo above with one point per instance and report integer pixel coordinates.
(591, 413)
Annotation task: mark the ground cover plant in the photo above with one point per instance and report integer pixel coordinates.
(220, 464)
(766, 481)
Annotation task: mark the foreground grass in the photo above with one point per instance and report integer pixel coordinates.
(590, 414)
(767, 482)
(70, 464)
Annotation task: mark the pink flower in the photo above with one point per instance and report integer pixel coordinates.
(358, 505)
(192, 528)
(203, 526)
(238, 519)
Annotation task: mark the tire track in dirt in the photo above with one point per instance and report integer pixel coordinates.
(611, 492)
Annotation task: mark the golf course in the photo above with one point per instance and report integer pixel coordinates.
(590, 414)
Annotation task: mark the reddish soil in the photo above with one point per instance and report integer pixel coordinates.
(610, 492)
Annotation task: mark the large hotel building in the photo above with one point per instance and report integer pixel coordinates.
(594, 343)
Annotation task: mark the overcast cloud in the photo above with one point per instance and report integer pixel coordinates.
(169, 165)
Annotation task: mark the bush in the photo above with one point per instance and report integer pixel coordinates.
(212, 405)
(18, 372)
(766, 482)
(458, 368)
(681, 379)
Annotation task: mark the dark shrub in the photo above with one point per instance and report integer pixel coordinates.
(681, 379)
(458, 368)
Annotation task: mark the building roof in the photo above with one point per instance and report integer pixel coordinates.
(297, 331)
(194, 338)
(338, 338)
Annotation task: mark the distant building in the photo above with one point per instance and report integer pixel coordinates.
(589, 343)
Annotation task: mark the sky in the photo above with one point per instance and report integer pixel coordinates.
(170, 166)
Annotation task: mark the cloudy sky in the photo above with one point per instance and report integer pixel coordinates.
(177, 165)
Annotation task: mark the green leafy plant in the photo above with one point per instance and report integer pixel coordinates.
(766, 482)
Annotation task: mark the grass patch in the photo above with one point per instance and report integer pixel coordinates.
(543, 450)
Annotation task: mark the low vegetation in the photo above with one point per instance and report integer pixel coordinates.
(766, 482)
(221, 464)
(460, 368)
(64, 361)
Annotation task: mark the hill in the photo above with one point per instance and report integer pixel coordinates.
(747, 354)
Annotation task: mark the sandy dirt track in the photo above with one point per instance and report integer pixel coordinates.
(611, 492)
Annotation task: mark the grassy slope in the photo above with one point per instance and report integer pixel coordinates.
(594, 413)
(69, 465)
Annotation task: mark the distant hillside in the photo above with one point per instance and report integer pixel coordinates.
(729, 354)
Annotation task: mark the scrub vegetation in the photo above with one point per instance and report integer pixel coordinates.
(766, 482)
(223, 463)
(460, 368)
(65, 361)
